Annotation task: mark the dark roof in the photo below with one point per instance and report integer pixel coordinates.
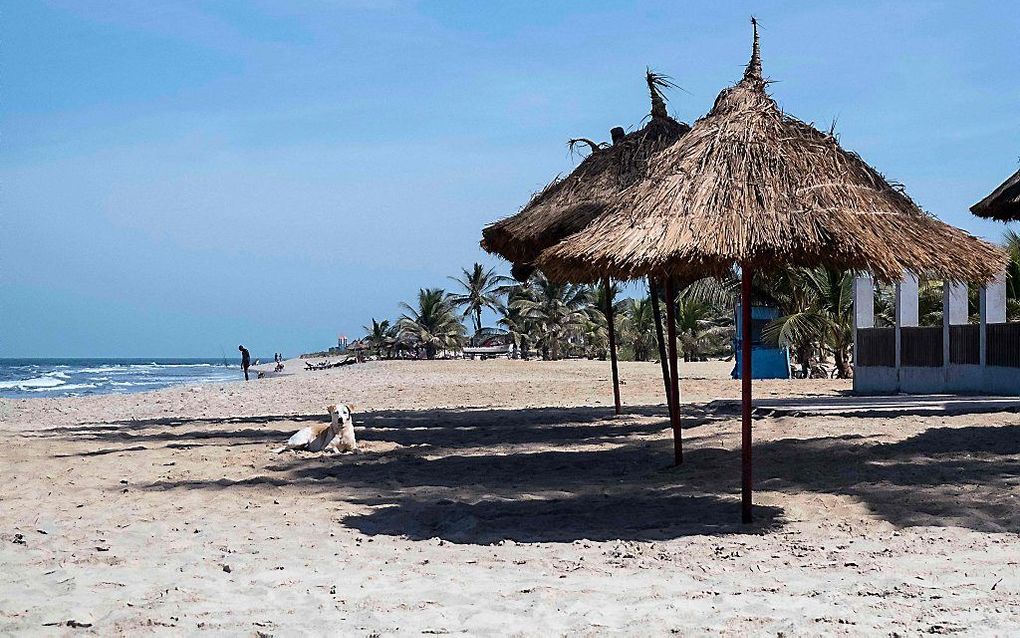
(1003, 203)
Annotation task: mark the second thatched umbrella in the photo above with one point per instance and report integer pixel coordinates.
(753, 188)
(1003, 203)
(568, 205)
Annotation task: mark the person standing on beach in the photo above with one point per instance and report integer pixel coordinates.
(245, 360)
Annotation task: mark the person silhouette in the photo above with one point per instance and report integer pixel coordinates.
(245, 360)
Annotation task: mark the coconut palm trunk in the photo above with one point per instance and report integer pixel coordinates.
(843, 367)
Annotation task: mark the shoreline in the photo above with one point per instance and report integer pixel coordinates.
(221, 399)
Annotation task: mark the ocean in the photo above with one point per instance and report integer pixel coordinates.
(24, 378)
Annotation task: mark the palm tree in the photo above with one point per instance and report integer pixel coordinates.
(481, 290)
(596, 330)
(519, 328)
(1012, 245)
(638, 327)
(822, 316)
(929, 304)
(433, 324)
(558, 312)
(379, 334)
(802, 330)
(700, 327)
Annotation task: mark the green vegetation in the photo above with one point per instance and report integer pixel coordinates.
(551, 320)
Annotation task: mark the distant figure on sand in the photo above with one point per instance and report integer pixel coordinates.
(245, 360)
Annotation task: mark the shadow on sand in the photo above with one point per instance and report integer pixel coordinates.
(552, 474)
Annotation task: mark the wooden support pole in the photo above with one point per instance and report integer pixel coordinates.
(674, 375)
(608, 289)
(745, 393)
(653, 292)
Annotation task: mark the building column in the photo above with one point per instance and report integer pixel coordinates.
(906, 313)
(864, 302)
(983, 327)
(992, 301)
(954, 313)
(995, 299)
(864, 310)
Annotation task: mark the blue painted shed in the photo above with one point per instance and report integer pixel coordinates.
(767, 361)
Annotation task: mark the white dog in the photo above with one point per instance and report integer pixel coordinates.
(345, 442)
(337, 436)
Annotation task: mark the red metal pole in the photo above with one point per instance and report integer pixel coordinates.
(745, 393)
(674, 375)
(612, 344)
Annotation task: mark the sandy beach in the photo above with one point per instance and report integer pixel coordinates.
(501, 497)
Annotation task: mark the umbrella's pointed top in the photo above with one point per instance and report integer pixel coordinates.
(656, 82)
(753, 70)
(749, 93)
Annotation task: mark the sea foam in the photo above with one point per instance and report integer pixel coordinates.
(36, 382)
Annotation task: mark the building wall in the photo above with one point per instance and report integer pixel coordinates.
(964, 379)
(948, 377)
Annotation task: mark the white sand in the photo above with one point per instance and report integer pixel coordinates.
(501, 497)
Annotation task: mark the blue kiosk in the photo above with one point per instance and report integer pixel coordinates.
(767, 362)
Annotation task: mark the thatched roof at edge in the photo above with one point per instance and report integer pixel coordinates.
(568, 204)
(751, 185)
(1003, 203)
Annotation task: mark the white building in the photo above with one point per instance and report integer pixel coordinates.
(956, 357)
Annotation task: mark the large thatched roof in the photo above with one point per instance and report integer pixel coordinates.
(751, 185)
(567, 205)
(1003, 203)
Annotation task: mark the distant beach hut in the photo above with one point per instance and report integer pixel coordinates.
(1003, 203)
(360, 347)
(750, 187)
(567, 205)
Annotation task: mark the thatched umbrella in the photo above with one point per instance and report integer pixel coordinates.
(568, 204)
(1003, 203)
(754, 188)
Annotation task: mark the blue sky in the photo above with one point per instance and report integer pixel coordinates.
(181, 177)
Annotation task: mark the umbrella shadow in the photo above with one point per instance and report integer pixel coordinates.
(170, 439)
(551, 474)
(596, 517)
(480, 476)
(627, 492)
(965, 477)
(442, 429)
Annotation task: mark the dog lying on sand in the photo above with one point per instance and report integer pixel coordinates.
(336, 436)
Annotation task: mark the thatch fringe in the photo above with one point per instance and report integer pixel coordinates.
(751, 185)
(568, 205)
(1003, 203)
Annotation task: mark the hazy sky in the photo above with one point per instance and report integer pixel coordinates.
(181, 177)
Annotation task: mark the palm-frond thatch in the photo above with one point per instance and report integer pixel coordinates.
(752, 185)
(1003, 203)
(567, 205)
